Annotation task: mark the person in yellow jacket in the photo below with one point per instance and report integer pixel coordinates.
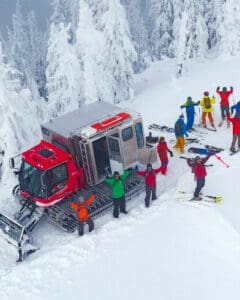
(207, 108)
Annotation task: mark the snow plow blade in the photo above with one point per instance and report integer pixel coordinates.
(16, 235)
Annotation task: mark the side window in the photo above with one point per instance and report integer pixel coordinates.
(127, 134)
(113, 145)
(139, 133)
(55, 177)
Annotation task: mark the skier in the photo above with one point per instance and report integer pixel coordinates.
(118, 192)
(180, 131)
(189, 105)
(207, 108)
(150, 182)
(162, 149)
(237, 108)
(224, 103)
(81, 209)
(199, 171)
(236, 131)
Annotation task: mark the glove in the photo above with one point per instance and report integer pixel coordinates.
(218, 88)
(186, 134)
(136, 168)
(171, 154)
(213, 96)
(198, 102)
(181, 106)
(130, 170)
(231, 87)
(211, 152)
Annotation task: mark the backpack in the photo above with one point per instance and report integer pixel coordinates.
(178, 127)
(207, 102)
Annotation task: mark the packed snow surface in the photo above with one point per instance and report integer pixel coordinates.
(173, 250)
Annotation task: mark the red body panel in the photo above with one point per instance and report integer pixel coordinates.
(118, 118)
(76, 178)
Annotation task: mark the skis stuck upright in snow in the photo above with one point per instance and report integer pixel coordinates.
(182, 195)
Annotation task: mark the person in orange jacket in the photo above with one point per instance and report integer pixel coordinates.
(82, 213)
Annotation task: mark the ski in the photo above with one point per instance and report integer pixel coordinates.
(188, 141)
(206, 198)
(163, 128)
(234, 152)
(207, 128)
(204, 151)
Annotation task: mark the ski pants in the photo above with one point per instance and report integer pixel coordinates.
(200, 185)
(224, 112)
(204, 116)
(150, 191)
(119, 204)
(236, 137)
(190, 120)
(163, 168)
(180, 142)
(81, 226)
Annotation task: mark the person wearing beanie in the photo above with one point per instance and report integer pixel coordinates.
(180, 132)
(224, 103)
(150, 182)
(190, 111)
(162, 149)
(207, 109)
(118, 192)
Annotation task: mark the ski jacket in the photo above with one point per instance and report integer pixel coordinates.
(183, 130)
(150, 177)
(199, 170)
(81, 208)
(237, 107)
(190, 107)
(224, 97)
(204, 102)
(236, 124)
(118, 190)
(162, 150)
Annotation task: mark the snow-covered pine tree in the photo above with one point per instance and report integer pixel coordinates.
(19, 116)
(62, 73)
(118, 51)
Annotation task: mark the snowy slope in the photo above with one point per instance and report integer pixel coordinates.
(173, 250)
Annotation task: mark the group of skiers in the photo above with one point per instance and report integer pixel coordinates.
(197, 164)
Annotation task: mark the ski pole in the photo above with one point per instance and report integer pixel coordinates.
(233, 99)
(220, 159)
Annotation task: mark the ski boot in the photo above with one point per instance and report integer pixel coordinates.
(213, 126)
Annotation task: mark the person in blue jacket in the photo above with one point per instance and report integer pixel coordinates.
(190, 111)
(180, 132)
(237, 108)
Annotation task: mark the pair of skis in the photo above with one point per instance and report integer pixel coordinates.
(182, 195)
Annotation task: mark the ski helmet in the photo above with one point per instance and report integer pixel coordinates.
(149, 166)
(116, 173)
(224, 89)
(206, 93)
(189, 98)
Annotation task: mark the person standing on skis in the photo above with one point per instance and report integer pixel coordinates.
(150, 182)
(207, 109)
(82, 213)
(189, 105)
(224, 103)
(118, 192)
(162, 149)
(199, 171)
(180, 132)
(236, 131)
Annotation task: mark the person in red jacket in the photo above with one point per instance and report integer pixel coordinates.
(162, 149)
(224, 103)
(82, 213)
(199, 170)
(236, 131)
(150, 182)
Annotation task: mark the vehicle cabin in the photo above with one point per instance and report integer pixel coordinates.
(102, 138)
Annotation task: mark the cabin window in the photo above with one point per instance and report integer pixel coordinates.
(56, 178)
(113, 145)
(127, 134)
(139, 133)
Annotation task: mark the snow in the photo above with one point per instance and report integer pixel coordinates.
(174, 249)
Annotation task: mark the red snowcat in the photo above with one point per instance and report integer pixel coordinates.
(76, 154)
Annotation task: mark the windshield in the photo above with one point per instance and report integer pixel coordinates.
(30, 180)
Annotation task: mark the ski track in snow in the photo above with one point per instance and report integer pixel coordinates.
(173, 250)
